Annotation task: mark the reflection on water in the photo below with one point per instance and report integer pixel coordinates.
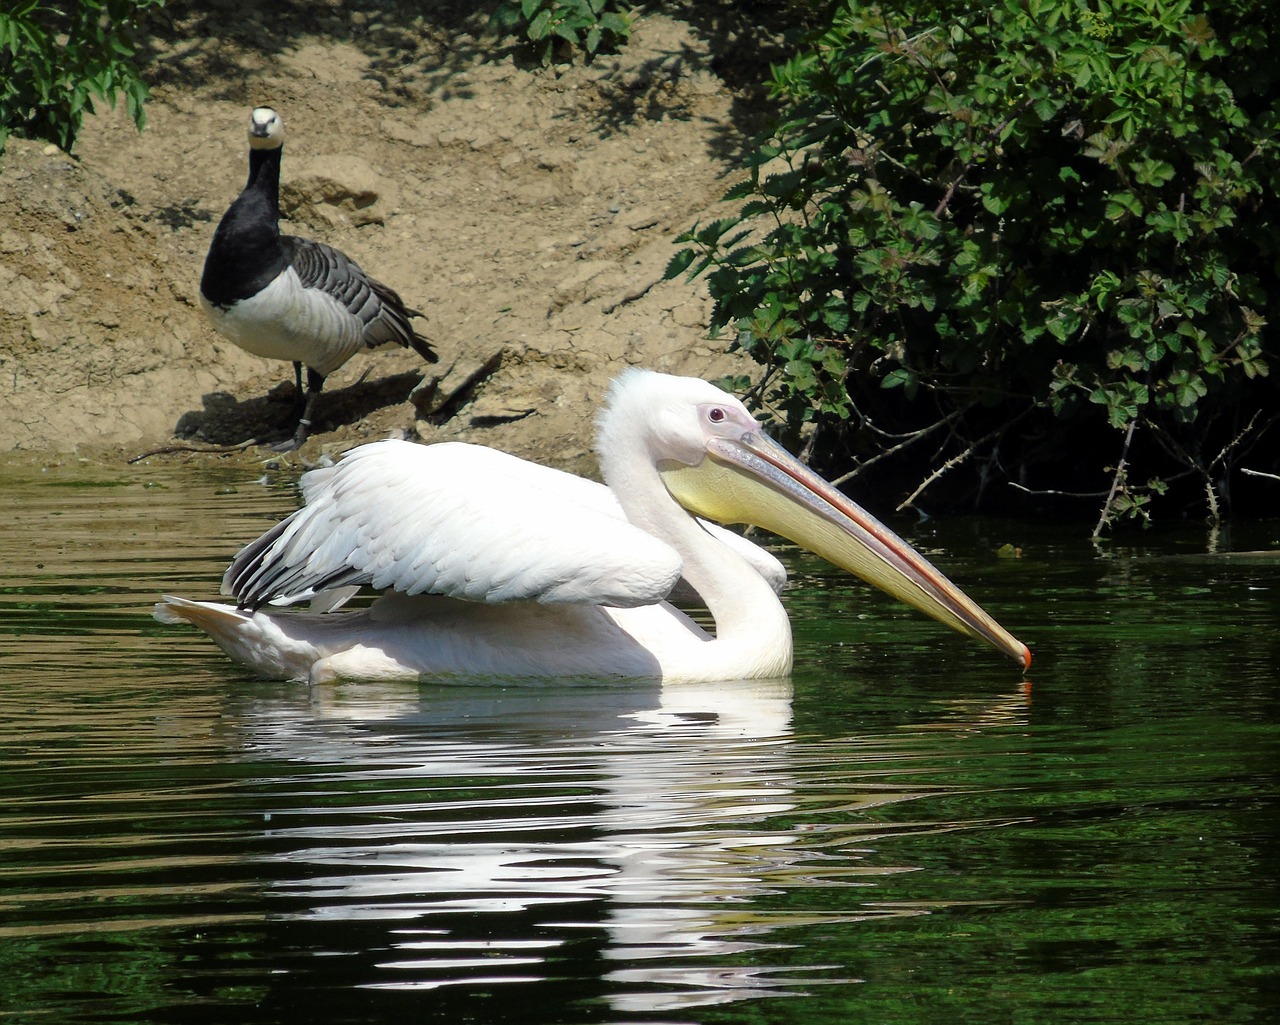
(907, 833)
(656, 818)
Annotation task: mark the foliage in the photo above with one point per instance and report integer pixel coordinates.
(1057, 213)
(54, 58)
(552, 25)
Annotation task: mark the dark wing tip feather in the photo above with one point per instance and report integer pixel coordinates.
(256, 577)
(394, 309)
(422, 347)
(244, 578)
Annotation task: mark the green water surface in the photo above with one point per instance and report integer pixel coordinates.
(911, 830)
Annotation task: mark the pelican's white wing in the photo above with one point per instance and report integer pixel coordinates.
(457, 520)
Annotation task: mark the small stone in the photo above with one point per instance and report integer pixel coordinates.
(341, 185)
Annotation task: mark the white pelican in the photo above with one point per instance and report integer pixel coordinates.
(290, 298)
(491, 566)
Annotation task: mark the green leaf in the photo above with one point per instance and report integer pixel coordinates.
(1031, 202)
(678, 264)
(540, 26)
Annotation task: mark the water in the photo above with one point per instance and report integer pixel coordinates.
(909, 832)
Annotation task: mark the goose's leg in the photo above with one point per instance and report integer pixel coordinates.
(291, 418)
(305, 409)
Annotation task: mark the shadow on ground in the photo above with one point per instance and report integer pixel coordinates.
(226, 420)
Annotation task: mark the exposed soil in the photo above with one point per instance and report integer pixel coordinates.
(528, 211)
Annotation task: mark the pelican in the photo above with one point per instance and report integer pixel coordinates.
(491, 566)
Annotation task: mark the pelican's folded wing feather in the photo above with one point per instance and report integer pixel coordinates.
(457, 520)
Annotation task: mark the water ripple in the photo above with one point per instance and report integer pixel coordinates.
(179, 841)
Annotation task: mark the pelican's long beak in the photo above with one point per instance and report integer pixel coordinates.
(752, 479)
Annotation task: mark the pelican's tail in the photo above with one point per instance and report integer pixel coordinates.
(252, 638)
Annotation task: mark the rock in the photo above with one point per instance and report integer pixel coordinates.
(336, 189)
(416, 133)
(640, 218)
(486, 411)
(443, 391)
(589, 279)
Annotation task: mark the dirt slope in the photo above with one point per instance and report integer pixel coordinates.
(528, 211)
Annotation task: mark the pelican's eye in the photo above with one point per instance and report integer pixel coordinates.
(716, 415)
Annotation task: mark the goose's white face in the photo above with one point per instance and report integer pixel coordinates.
(266, 129)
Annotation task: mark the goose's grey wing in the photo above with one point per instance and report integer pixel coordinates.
(381, 313)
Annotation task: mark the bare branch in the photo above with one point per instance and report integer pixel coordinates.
(1121, 472)
(955, 461)
(907, 441)
(1060, 494)
(1245, 433)
(216, 449)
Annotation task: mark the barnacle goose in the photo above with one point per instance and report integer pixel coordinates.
(286, 297)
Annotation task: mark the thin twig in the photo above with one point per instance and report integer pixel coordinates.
(215, 449)
(1195, 464)
(1119, 475)
(1051, 491)
(908, 440)
(954, 461)
(1239, 439)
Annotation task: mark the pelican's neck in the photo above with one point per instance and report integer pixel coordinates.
(753, 634)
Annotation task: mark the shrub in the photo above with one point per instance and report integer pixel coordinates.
(558, 25)
(54, 58)
(1001, 226)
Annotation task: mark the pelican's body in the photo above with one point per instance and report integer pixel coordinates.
(491, 566)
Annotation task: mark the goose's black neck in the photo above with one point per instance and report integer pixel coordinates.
(247, 251)
(264, 176)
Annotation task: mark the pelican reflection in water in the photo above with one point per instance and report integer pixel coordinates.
(491, 566)
(662, 838)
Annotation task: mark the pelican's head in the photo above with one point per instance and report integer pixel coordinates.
(266, 129)
(716, 461)
(670, 417)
